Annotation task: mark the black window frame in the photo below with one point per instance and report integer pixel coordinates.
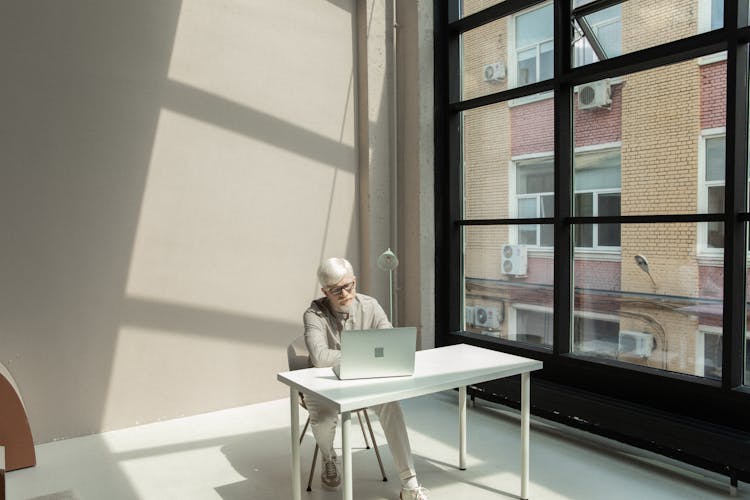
(688, 418)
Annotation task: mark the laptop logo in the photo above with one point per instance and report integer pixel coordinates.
(379, 352)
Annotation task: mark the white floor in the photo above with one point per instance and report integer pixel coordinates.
(244, 453)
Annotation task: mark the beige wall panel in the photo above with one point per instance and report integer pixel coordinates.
(172, 173)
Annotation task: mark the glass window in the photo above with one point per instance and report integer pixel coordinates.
(717, 14)
(533, 326)
(713, 183)
(535, 185)
(596, 181)
(708, 353)
(606, 27)
(596, 335)
(534, 45)
(653, 303)
(501, 275)
(597, 193)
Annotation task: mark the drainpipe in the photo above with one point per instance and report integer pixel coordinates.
(394, 148)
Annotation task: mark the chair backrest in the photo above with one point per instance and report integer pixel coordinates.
(298, 358)
(297, 354)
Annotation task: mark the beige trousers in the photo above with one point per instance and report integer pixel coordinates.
(324, 417)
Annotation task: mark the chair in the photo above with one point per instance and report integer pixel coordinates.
(299, 357)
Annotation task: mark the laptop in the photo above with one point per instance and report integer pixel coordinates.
(377, 353)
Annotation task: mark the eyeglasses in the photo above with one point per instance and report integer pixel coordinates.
(339, 290)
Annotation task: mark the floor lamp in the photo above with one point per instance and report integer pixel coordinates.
(388, 262)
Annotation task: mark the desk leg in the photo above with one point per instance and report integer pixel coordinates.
(462, 427)
(525, 403)
(296, 480)
(346, 444)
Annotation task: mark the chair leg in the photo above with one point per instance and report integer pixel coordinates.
(364, 434)
(375, 445)
(312, 468)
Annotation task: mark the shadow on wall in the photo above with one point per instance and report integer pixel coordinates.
(82, 106)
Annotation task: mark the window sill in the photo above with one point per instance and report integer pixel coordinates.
(712, 58)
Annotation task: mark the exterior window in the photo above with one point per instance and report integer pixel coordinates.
(597, 194)
(534, 45)
(535, 198)
(595, 334)
(714, 188)
(717, 14)
(708, 353)
(533, 326)
(710, 15)
(607, 27)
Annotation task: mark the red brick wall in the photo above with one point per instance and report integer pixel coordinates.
(713, 95)
(532, 125)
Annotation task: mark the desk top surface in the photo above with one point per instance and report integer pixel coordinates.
(435, 370)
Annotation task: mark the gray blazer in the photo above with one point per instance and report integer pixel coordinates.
(323, 326)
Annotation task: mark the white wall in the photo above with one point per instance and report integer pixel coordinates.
(172, 173)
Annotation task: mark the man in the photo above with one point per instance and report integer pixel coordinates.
(342, 308)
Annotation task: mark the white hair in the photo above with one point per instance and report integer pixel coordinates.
(333, 270)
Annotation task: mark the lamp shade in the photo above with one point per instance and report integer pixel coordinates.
(387, 261)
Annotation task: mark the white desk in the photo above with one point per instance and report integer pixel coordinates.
(435, 370)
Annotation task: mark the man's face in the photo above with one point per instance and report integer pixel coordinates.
(341, 295)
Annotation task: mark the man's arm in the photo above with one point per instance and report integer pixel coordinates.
(317, 341)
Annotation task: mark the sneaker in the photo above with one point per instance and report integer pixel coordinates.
(418, 493)
(329, 474)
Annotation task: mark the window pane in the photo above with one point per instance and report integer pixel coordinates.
(535, 177)
(527, 67)
(546, 61)
(715, 154)
(527, 207)
(596, 335)
(717, 14)
(606, 28)
(652, 135)
(534, 26)
(507, 286)
(715, 230)
(485, 59)
(640, 24)
(508, 52)
(486, 156)
(597, 170)
(609, 234)
(533, 326)
(527, 234)
(507, 154)
(659, 294)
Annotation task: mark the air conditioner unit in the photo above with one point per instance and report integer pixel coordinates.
(635, 343)
(494, 72)
(594, 95)
(470, 315)
(514, 260)
(487, 317)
